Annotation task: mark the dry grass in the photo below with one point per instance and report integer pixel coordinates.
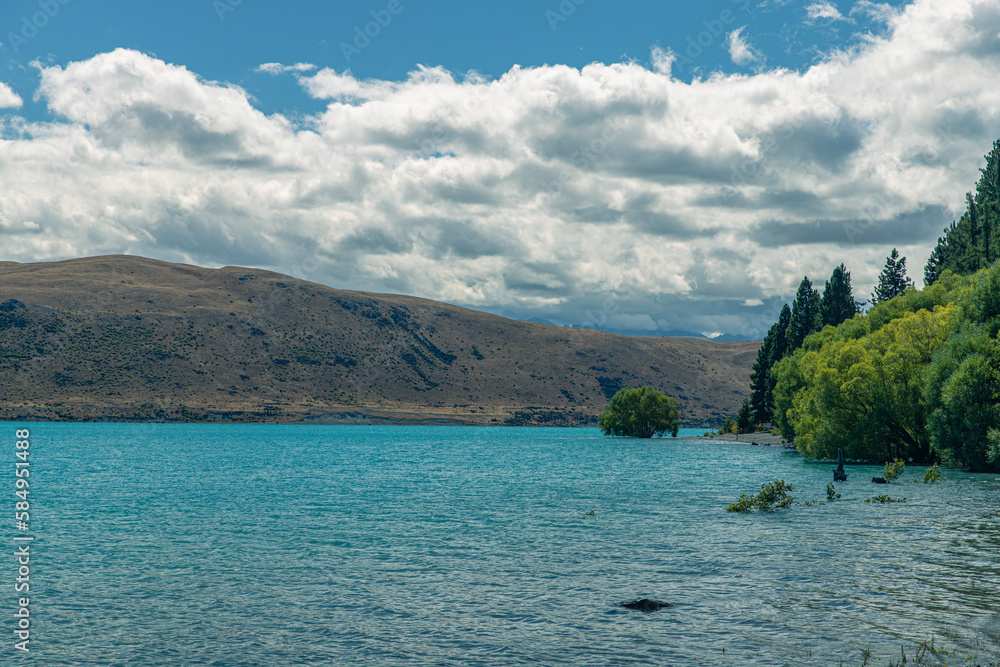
(122, 337)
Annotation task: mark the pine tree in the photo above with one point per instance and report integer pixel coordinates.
(837, 303)
(970, 243)
(936, 263)
(762, 380)
(759, 378)
(806, 317)
(973, 231)
(778, 352)
(780, 348)
(893, 280)
(744, 419)
(987, 200)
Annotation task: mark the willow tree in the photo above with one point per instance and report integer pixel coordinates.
(640, 413)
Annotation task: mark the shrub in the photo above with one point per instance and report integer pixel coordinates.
(831, 492)
(772, 494)
(728, 427)
(884, 499)
(893, 469)
(932, 475)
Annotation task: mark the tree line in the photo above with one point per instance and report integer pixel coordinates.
(809, 313)
(915, 377)
(970, 243)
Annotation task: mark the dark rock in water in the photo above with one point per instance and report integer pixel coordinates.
(645, 604)
(879, 480)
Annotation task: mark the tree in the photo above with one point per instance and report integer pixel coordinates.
(969, 244)
(762, 380)
(987, 200)
(935, 265)
(640, 413)
(893, 280)
(838, 302)
(759, 379)
(863, 394)
(806, 317)
(744, 420)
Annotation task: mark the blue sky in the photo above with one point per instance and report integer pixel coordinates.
(637, 166)
(228, 39)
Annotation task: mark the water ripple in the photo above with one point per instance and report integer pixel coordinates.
(167, 545)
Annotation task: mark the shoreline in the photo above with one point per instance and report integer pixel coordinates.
(760, 439)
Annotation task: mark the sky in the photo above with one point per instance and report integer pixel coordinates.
(641, 167)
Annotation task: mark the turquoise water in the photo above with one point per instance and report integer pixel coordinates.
(298, 545)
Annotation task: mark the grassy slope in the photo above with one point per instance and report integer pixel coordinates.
(121, 337)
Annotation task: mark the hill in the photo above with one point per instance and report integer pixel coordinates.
(127, 338)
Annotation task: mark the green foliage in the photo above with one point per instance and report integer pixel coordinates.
(962, 383)
(861, 392)
(640, 413)
(893, 280)
(893, 469)
(837, 303)
(970, 243)
(917, 377)
(744, 420)
(762, 380)
(806, 317)
(885, 499)
(831, 492)
(729, 427)
(744, 503)
(772, 494)
(933, 474)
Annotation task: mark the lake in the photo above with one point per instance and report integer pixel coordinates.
(356, 545)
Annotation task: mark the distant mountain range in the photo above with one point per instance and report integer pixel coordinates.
(123, 338)
(665, 333)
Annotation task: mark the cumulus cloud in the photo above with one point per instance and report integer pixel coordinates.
(740, 51)
(8, 98)
(546, 192)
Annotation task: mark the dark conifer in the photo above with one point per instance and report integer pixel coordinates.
(893, 280)
(760, 378)
(837, 303)
(806, 317)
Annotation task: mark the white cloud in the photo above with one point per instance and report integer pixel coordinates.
(823, 10)
(8, 98)
(740, 51)
(545, 192)
(663, 60)
(278, 68)
(882, 12)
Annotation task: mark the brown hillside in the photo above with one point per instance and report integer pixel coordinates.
(129, 338)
